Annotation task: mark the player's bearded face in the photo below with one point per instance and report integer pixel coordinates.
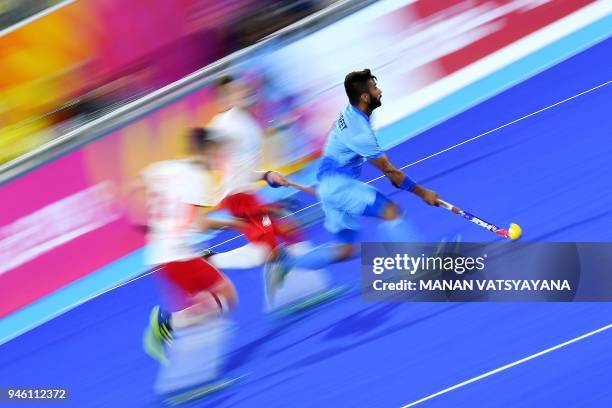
(375, 101)
(374, 94)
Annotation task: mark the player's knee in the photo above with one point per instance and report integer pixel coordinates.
(225, 295)
(391, 212)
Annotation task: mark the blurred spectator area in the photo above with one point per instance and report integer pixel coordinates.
(13, 12)
(87, 57)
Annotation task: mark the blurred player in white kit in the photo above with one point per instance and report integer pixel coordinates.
(177, 190)
(241, 143)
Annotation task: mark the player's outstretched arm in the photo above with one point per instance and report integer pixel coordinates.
(400, 180)
(273, 178)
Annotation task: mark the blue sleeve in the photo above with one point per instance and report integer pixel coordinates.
(364, 143)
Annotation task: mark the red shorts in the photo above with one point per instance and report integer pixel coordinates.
(262, 227)
(192, 276)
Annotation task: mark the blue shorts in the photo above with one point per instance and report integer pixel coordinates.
(344, 201)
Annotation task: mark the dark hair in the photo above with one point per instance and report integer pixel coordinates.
(356, 84)
(199, 139)
(224, 80)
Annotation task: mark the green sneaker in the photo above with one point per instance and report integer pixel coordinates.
(158, 334)
(159, 321)
(275, 272)
(153, 347)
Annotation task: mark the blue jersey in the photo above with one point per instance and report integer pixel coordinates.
(349, 144)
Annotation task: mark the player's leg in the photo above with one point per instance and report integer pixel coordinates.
(344, 247)
(203, 290)
(201, 334)
(247, 256)
(210, 303)
(394, 227)
(263, 232)
(343, 201)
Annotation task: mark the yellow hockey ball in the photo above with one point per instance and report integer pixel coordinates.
(515, 231)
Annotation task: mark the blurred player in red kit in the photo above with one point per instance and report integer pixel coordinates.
(241, 144)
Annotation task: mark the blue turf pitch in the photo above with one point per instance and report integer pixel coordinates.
(549, 172)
